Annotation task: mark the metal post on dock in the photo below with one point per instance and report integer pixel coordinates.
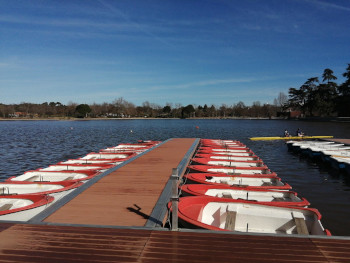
(174, 199)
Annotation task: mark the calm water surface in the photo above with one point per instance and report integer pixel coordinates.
(26, 145)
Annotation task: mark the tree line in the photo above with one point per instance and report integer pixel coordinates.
(121, 108)
(313, 98)
(322, 98)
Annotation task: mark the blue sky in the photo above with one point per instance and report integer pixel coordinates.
(181, 51)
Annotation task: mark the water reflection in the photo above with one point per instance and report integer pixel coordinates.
(325, 169)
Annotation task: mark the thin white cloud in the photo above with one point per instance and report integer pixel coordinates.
(141, 27)
(6, 65)
(219, 82)
(326, 5)
(73, 23)
(205, 83)
(252, 27)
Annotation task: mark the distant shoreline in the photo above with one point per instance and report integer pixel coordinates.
(135, 118)
(334, 119)
(69, 119)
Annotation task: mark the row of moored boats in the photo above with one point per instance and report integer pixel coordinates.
(24, 196)
(337, 155)
(229, 188)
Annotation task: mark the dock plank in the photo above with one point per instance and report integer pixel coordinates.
(53, 243)
(127, 196)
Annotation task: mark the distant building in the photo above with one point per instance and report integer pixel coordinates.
(295, 114)
(18, 114)
(290, 113)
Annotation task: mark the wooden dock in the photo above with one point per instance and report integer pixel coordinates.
(127, 196)
(118, 217)
(54, 243)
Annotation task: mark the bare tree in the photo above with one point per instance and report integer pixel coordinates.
(282, 100)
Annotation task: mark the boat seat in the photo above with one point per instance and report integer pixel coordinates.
(267, 184)
(69, 178)
(278, 199)
(240, 185)
(230, 219)
(2, 192)
(33, 178)
(300, 223)
(5, 207)
(226, 195)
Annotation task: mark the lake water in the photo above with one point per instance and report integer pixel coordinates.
(26, 145)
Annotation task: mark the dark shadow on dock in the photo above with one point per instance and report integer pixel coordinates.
(137, 211)
(145, 216)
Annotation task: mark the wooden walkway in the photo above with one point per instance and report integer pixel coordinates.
(47, 243)
(108, 222)
(127, 196)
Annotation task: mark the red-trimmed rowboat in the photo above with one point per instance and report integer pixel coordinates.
(218, 142)
(245, 181)
(78, 167)
(107, 155)
(148, 142)
(227, 157)
(22, 207)
(120, 149)
(94, 161)
(224, 149)
(261, 196)
(226, 153)
(240, 216)
(55, 189)
(263, 170)
(54, 176)
(221, 144)
(227, 163)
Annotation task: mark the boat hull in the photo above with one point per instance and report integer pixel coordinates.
(261, 196)
(258, 171)
(239, 216)
(290, 138)
(18, 212)
(57, 190)
(227, 163)
(227, 157)
(54, 176)
(247, 182)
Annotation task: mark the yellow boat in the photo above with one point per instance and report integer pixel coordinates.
(289, 138)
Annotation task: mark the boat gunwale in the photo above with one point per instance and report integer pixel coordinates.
(187, 189)
(207, 200)
(37, 199)
(66, 186)
(285, 186)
